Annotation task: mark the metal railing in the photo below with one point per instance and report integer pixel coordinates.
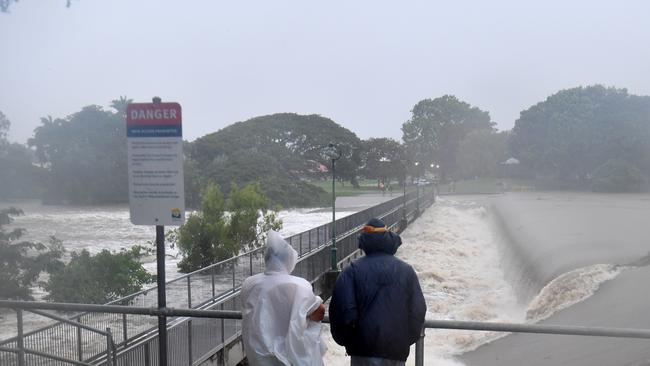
(212, 287)
(195, 314)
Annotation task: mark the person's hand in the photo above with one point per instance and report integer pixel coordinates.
(318, 314)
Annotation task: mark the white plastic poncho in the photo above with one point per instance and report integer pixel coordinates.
(275, 306)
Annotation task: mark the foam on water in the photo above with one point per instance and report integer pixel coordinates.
(570, 288)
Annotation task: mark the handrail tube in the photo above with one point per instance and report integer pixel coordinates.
(539, 329)
(120, 309)
(437, 324)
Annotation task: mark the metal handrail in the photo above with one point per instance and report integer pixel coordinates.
(434, 324)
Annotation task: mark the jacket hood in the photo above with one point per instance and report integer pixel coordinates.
(279, 257)
(386, 242)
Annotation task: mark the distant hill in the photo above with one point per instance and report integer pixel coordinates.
(281, 151)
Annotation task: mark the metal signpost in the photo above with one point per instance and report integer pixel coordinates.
(156, 191)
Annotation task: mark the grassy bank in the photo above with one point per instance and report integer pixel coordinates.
(346, 188)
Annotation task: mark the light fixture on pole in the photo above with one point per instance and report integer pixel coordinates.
(417, 188)
(333, 153)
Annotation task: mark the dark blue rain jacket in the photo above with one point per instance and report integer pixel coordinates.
(377, 308)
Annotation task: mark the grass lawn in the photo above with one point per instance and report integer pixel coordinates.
(346, 189)
(487, 185)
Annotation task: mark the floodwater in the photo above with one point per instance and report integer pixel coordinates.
(467, 267)
(460, 255)
(453, 251)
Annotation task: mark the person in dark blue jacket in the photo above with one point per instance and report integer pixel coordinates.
(377, 308)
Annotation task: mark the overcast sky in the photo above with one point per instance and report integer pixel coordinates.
(362, 63)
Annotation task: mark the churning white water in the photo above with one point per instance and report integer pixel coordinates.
(454, 249)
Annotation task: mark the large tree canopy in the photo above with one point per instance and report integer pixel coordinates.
(573, 132)
(480, 153)
(278, 151)
(436, 128)
(19, 178)
(86, 156)
(382, 159)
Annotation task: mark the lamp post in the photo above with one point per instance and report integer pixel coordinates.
(434, 168)
(404, 218)
(417, 187)
(334, 154)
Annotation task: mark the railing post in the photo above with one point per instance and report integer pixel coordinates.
(147, 354)
(419, 350)
(250, 262)
(20, 341)
(80, 354)
(189, 342)
(125, 332)
(110, 348)
(223, 329)
(233, 276)
(189, 292)
(214, 268)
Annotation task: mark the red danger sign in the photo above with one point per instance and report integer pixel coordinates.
(159, 114)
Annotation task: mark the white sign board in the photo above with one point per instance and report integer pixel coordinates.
(155, 159)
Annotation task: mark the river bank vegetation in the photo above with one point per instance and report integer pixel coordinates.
(559, 143)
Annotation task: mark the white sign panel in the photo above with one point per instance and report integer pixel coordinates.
(155, 159)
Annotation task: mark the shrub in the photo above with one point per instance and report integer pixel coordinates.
(22, 262)
(223, 228)
(98, 279)
(618, 176)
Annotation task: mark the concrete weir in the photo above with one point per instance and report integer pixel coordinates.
(554, 237)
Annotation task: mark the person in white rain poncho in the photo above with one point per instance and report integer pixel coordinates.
(281, 315)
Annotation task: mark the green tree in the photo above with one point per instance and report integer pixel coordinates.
(5, 124)
(382, 159)
(573, 132)
(223, 228)
(19, 177)
(4, 5)
(86, 156)
(436, 128)
(120, 105)
(279, 150)
(480, 153)
(21, 262)
(98, 279)
(618, 176)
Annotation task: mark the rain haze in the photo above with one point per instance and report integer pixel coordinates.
(363, 64)
(477, 161)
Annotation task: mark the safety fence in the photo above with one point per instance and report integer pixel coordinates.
(21, 353)
(82, 337)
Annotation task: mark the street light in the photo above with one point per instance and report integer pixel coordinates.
(334, 154)
(417, 188)
(434, 168)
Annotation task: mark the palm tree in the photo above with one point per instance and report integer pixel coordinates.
(120, 105)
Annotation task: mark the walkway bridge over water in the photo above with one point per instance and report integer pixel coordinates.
(114, 338)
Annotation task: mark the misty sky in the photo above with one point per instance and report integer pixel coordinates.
(362, 63)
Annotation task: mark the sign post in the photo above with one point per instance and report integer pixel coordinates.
(156, 190)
